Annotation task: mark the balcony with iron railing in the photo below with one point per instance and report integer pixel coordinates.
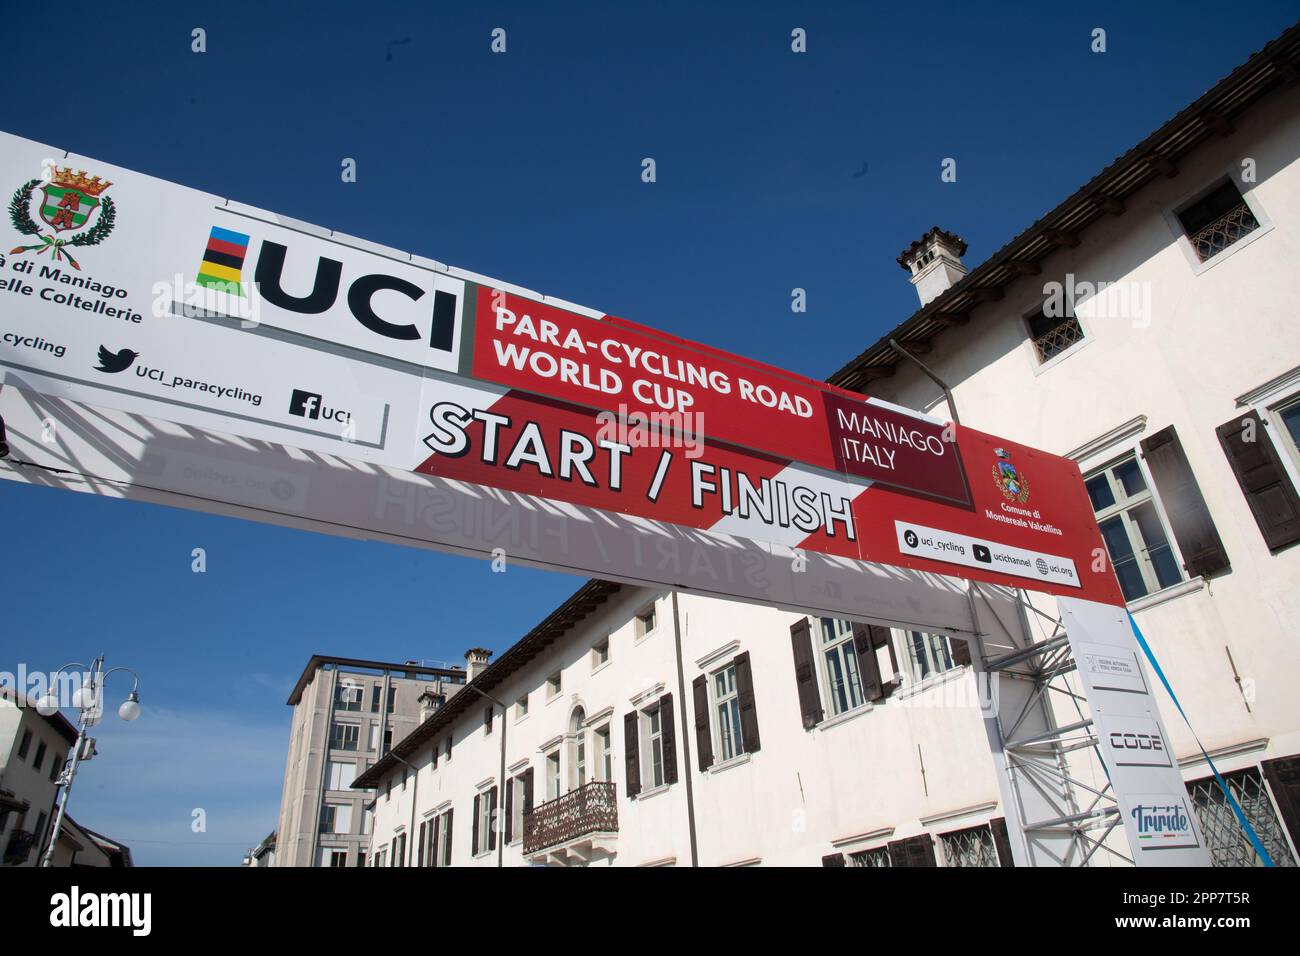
(1213, 238)
(586, 812)
(19, 847)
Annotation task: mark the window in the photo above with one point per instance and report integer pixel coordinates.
(928, 654)
(441, 855)
(327, 814)
(971, 847)
(344, 736)
(553, 686)
(381, 857)
(375, 692)
(404, 773)
(447, 753)
(339, 775)
(347, 696)
(646, 621)
(604, 754)
(655, 745)
(399, 850)
(487, 720)
(25, 745)
(388, 740)
(392, 698)
(577, 749)
(1053, 335)
(485, 805)
(875, 857)
(338, 858)
(521, 707)
(361, 857)
(840, 666)
(1132, 529)
(600, 654)
(726, 701)
(40, 829)
(553, 775)
(518, 787)
(374, 737)
(1217, 220)
(1224, 836)
(1289, 415)
(55, 767)
(40, 756)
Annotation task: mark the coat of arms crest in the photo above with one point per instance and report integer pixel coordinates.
(68, 202)
(1011, 482)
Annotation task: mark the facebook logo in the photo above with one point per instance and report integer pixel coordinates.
(305, 404)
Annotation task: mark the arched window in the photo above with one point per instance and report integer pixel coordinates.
(577, 749)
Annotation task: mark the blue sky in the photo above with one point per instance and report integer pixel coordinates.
(526, 166)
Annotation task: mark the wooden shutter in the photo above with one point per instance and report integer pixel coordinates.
(528, 790)
(960, 651)
(1188, 516)
(492, 818)
(449, 832)
(419, 850)
(703, 736)
(1264, 481)
(833, 859)
(1002, 841)
(631, 754)
(873, 687)
(912, 852)
(668, 725)
(510, 809)
(1283, 776)
(433, 841)
(805, 673)
(749, 737)
(884, 637)
(473, 833)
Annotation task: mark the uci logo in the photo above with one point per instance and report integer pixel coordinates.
(360, 297)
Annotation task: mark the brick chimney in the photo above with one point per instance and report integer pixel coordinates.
(476, 661)
(934, 262)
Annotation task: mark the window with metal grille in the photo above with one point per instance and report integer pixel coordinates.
(1224, 836)
(877, 857)
(1052, 335)
(1133, 529)
(970, 847)
(1217, 220)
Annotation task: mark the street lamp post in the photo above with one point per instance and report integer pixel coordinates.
(89, 700)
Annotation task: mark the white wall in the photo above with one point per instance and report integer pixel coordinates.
(1210, 338)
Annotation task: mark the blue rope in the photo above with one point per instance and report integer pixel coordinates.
(1232, 801)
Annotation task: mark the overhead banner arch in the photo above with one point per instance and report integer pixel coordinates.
(163, 344)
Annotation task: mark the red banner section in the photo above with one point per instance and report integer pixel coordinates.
(1044, 538)
(611, 365)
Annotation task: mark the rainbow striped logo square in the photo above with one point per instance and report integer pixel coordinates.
(223, 261)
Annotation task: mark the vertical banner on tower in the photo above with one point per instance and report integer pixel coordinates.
(1157, 811)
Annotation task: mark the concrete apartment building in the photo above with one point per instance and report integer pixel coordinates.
(347, 713)
(652, 728)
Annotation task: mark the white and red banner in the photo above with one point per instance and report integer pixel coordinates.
(131, 293)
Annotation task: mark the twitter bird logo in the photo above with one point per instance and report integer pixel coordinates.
(115, 361)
